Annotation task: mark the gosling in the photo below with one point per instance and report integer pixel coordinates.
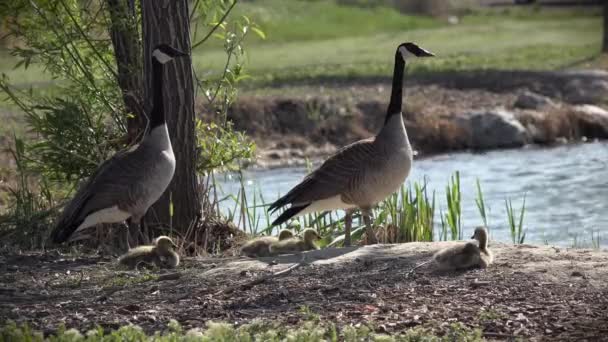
(161, 254)
(260, 247)
(296, 244)
(468, 255)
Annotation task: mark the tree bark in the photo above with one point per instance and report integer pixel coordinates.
(167, 21)
(605, 44)
(127, 50)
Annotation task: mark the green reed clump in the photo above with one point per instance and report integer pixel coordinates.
(411, 210)
(452, 218)
(518, 234)
(407, 215)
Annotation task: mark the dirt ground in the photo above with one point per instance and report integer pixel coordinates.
(537, 293)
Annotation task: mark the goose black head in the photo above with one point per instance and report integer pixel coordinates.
(164, 53)
(412, 50)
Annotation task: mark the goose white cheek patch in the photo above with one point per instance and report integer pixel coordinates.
(405, 52)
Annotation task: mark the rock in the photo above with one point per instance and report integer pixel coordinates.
(578, 274)
(580, 92)
(496, 128)
(593, 121)
(530, 100)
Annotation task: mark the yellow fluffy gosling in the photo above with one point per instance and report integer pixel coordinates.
(260, 247)
(296, 244)
(468, 255)
(161, 254)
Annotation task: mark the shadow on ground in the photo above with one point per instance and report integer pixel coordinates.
(533, 292)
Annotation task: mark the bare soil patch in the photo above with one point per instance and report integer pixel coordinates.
(538, 293)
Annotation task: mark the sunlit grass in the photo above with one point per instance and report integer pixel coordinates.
(310, 330)
(328, 41)
(516, 223)
(500, 43)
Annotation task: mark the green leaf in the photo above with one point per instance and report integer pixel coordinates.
(258, 32)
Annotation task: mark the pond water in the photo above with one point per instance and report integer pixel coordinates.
(566, 189)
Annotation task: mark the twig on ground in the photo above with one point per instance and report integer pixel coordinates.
(263, 279)
(169, 276)
(413, 270)
(494, 334)
(109, 291)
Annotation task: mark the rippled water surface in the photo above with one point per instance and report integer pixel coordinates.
(566, 189)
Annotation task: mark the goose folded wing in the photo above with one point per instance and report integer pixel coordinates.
(112, 184)
(336, 175)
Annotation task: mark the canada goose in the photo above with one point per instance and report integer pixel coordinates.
(467, 255)
(161, 254)
(126, 185)
(260, 247)
(363, 173)
(296, 244)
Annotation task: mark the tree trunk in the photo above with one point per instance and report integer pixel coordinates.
(127, 50)
(166, 21)
(605, 45)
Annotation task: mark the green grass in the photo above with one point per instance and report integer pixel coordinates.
(288, 21)
(310, 331)
(320, 39)
(482, 41)
(405, 216)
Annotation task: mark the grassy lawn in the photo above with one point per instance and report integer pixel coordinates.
(518, 40)
(320, 39)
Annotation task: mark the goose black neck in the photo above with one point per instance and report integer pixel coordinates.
(394, 107)
(157, 116)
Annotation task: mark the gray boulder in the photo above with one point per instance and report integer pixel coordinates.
(592, 121)
(530, 100)
(496, 128)
(580, 91)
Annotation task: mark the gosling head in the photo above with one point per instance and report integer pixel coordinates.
(285, 234)
(480, 234)
(164, 243)
(164, 53)
(310, 235)
(410, 49)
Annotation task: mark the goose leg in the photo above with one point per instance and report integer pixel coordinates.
(369, 232)
(146, 233)
(127, 234)
(348, 223)
(133, 235)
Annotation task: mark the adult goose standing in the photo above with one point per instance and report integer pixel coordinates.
(127, 184)
(363, 173)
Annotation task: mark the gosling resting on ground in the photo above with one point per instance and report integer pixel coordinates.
(468, 255)
(260, 247)
(296, 244)
(160, 254)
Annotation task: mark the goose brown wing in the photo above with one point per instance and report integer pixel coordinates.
(104, 189)
(341, 171)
